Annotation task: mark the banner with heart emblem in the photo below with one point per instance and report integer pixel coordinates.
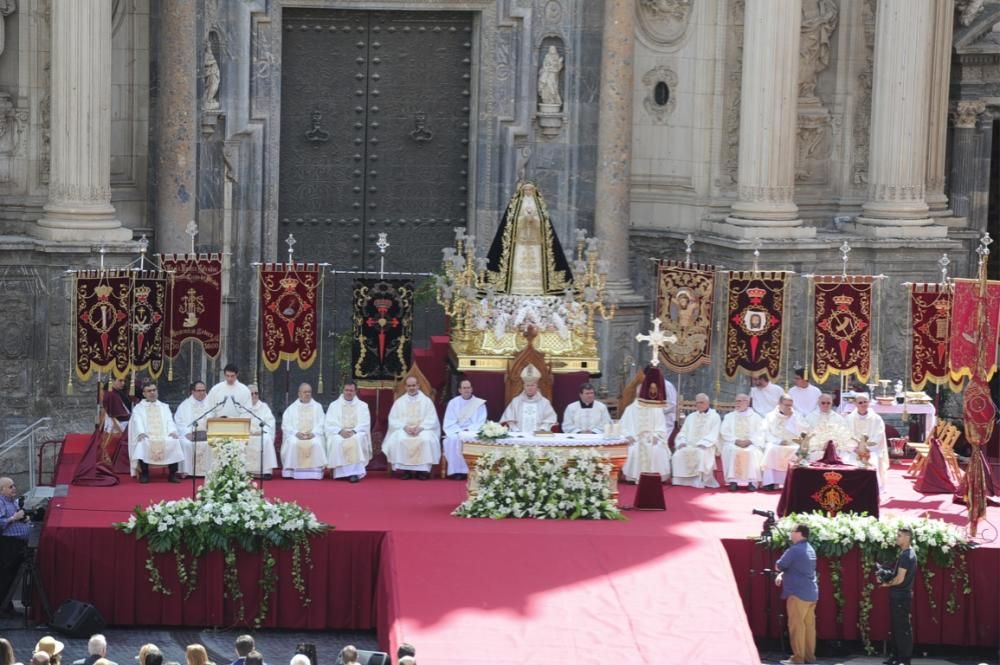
(195, 301)
(842, 335)
(289, 297)
(685, 297)
(147, 321)
(383, 329)
(930, 314)
(102, 301)
(755, 322)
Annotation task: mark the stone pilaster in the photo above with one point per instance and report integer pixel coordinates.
(937, 122)
(896, 205)
(768, 124)
(79, 201)
(965, 153)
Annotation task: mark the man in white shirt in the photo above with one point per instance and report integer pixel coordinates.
(194, 439)
(530, 411)
(764, 395)
(693, 463)
(232, 388)
(825, 424)
(303, 447)
(742, 436)
(465, 413)
(261, 459)
(867, 427)
(348, 435)
(413, 443)
(781, 427)
(152, 437)
(805, 396)
(586, 415)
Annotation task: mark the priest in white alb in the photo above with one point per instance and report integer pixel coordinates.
(586, 415)
(742, 436)
(530, 411)
(229, 392)
(194, 433)
(152, 437)
(781, 429)
(805, 396)
(693, 463)
(867, 429)
(413, 442)
(825, 424)
(348, 435)
(644, 425)
(465, 413)
(303, 441)
(262, 431)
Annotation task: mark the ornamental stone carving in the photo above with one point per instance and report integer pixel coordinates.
(968, 10)
(651, 79)
(548, 81)
(863, 105)
(664, 22)
(819, 20)
(12, 123)
(965, 113)
(7, 7)
(213, 78)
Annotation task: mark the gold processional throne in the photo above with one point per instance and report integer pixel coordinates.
(237, 429)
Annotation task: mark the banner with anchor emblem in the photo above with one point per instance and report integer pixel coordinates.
(195, 301)
(288, 313)
(842, 339)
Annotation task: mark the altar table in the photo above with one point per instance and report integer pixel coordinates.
(925, 411)
(847, 489)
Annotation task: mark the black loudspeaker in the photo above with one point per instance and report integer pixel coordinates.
(77, 619)
(373, 657)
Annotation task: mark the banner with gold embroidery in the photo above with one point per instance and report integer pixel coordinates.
(685, 297)
(383, 329)
(842, 337)
(288, 313)
(968, 335)
(101, 336)
(755, 322)
(930, 313)
(147, 319)
(195, 301)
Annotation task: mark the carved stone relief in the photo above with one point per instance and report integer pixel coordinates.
(819, 21)
(863, 103)
(968, 10)
(12, 123)
(7, 7)
(664, 22)
(964, 113)
(655, 106)
(733, 95)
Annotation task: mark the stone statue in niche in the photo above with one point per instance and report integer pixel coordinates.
(7, 7)
(213, 78)
(548, 82)
(819, 20)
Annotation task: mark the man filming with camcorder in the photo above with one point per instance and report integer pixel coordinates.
(14, 531)
(899, 581)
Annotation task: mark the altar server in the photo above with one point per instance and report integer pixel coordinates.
(152, 437)
(586, 415)
(644, 425)
(348, 435)
(413, 443)
(261, 437)
(805, 396)
(781, 427)
(742, 436)
(764, 395)
(529, 411)
(866, 426)
(191, 409)
(303, 453)
(825, 425)
(693, 463)
(465, 413)
(232, 389)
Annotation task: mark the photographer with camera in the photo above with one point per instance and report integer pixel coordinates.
(13, 538)
(901, 598)
(797, 580)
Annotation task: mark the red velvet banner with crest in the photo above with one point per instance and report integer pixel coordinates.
(288, 313)
(383, 329)
(969, 334)
(842, 339)
(685, 296)
(930, 313)
(147, 320)
(101, 305)
(195, 301)
(755, 322)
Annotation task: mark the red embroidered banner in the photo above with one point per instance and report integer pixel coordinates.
(930, 312)
(195, 301)
(288, 316)
(755, 322)
(969, 335)
(684, 299)
(843, 333)
(147, 319)
(102, 302)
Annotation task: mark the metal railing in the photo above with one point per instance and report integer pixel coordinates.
(28, 436)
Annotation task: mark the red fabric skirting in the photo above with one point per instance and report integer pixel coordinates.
(975, 624)
(857, 488)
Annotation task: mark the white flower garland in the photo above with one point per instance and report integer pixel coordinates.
(503, 313)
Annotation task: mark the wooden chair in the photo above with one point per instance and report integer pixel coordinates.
(946, 435)
(629, 392)
(425, 388)
(528, 356)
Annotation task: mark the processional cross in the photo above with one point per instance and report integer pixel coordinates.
(657, 339)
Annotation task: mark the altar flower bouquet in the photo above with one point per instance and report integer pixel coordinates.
(503, 313)
(491, 431)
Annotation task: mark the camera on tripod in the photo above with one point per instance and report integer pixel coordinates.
(35, 513)
(769, 524)
(884, 575)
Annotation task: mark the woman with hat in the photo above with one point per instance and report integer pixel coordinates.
(51, 646)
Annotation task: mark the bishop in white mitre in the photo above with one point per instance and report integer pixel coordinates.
(194, 435)
(348, 435)
(867, 427)
(152, 437)
(465, 413)
(303, 448)
(586, 415)
(413, 442)
(229, 392)
(693, 463)
(742, 436)
(781, 427)
(644, 425)
(825, 425)
(261, 460)
(529, 411)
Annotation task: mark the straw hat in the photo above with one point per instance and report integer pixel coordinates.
(49, 645)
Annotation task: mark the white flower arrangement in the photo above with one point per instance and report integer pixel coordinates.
(503, 313)
(526, 482)
(492, 430)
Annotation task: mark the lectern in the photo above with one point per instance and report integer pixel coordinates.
(237, 429)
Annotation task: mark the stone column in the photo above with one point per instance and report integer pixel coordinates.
(937, 127)
(896, 205)
(176, 124)
(768, 123)
(79, 203)
(965, 156)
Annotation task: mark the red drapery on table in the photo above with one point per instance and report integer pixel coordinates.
(829, 489)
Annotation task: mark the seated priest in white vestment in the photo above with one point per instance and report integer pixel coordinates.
(261, 460)
(465, 413)
(194, 433)
(742, 436)
(693, 463)
(303, 441)
(413, 442)
(781, 427)
(530, 411)
(825, 424)
(764, 395)
(152, 437)
(644, 424)
(348, 435)
(805, 396)
(232, 389)
(867, 429)
(586, 415)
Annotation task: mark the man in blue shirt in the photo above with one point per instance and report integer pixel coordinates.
(13, 538)
(797, 580)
